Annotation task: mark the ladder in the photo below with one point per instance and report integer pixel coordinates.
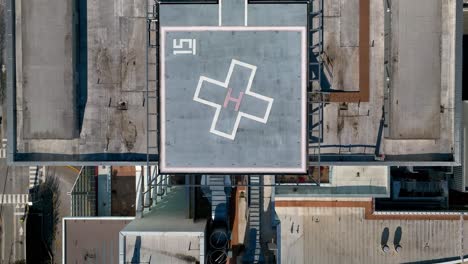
(255, 198)
(218, 197)
(152, 82)
(151, 98)
(316, 98)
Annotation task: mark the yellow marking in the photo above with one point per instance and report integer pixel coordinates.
(73, 168)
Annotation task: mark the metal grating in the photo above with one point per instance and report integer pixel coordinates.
(316, 99)
(83, 194)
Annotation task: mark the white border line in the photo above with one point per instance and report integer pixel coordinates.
(162, 166)
(220, 12)
(246, 2)
(163, 30)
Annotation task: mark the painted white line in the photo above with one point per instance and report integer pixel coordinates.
(220, 13)
(19, 199)
(3, 244)
(303, 103)
(18, 214)
(246, 2)
(164, 30)
(194, 46)
(32, 176)
(14, 228)
(4, 148)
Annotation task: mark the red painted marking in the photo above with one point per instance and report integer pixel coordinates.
(233, 99)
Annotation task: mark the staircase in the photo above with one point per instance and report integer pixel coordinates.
(316, 97)
(218, 197)
(152, 82)
(254, 254)
(35, 176)
(83, 194)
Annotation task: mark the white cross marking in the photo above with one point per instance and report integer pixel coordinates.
(241, 114)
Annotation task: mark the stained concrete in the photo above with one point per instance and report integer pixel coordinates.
(341, 46)
(49, 95)
(115, 34)
(446, 106)
(416, 69)
(353, 128)
(116, 69)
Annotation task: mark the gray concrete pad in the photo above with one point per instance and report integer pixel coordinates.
(189, 15)
(47, 50)
(416, 81)
(197, 139)
(349, 23)
(116, 66)
(341, 52)
(273, 15)
(233, 13)
(133, 40)
(332, 8)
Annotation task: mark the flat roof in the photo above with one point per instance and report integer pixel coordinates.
(343, 181)
(165, 233)
(92, 239)
(402, 123)
(103, 62)
(100, 115)
(168, 215)
(339, 234)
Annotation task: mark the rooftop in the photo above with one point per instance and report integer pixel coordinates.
(410, 114)
(82, 245)
(169, 215)
(339, 234)
(343, 181)
(388, 93)
(165, 233)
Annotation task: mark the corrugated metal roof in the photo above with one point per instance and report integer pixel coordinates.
(343, 235)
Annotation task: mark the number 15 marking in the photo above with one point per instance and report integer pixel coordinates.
(184, 46)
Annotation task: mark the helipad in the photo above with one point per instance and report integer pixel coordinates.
(233, 99)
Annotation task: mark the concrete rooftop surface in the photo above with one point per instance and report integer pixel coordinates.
(344, 235)
(344, 181)
(412, 108)
(391, 69)
(71, 80)
(82, 244)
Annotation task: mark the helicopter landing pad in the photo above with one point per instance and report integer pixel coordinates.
(233, 99)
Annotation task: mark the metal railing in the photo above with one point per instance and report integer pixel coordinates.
(315, 100)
